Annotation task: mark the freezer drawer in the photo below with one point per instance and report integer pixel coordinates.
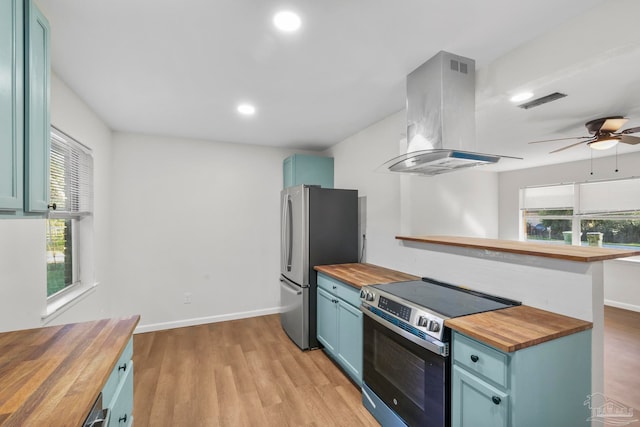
(294, 317)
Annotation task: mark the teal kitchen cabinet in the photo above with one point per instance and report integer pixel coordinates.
(340, 324)
(545, 384)
(117, 394)
(304, 169)
(24, 108)
(11, 104)
(37, 119)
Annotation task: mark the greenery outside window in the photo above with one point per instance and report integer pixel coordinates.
(597, 213)
(71, 181)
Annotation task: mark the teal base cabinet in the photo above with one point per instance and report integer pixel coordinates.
(543, 385)
(340, 324)
(310, 170)
(117, 394)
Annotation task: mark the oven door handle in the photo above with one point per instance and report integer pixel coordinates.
(434, 346)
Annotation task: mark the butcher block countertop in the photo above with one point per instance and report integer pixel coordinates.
(515, 328)
(362, 274)
(53, 375)
(565, 252)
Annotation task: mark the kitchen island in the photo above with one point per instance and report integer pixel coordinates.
(563, 279)
(53, 375)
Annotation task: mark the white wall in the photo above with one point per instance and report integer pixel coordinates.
(463, 203)
(196, 217)
(23, 291)
(620, 277)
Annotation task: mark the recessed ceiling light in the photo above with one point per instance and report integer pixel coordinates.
(246, 109)
(522, 96)
(287, 21)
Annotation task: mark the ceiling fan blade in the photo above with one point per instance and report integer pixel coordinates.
(612, 125)
(561, 139)
(567, 147)
(630, 130)
(628, 139)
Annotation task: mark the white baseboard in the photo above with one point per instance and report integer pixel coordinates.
(204, 320)
(622, 305)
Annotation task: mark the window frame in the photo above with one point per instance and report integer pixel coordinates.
(81, 220)
(578, 212)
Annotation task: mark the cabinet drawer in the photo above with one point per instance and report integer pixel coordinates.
(481, 359)
(122, 406)
(339, 289)
(119, 371)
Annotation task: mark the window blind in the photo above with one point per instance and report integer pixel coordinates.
(548, 197)
(609, 196)
(71, 176)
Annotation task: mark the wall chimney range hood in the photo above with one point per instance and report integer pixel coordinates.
(441, 128)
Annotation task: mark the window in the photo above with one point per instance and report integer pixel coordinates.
(598, 213)
(71, 181)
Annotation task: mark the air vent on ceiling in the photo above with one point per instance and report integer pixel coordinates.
(543, 100)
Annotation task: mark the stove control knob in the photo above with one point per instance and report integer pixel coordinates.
(423, 321)
(366, 295)
(433, 326)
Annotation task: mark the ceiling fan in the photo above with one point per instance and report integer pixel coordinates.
(604, 134)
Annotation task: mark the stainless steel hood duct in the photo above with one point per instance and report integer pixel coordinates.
(441, 129)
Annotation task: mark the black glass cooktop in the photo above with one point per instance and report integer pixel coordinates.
(445, 299)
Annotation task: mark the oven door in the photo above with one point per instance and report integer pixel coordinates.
(411, 380)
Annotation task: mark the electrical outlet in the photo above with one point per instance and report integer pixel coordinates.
(187, 298)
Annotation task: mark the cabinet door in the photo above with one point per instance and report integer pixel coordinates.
(37, 122)
(311, 170)
(327, 328)
(287, 172)
(350, 339)
(122, 405)
(11, 104)
(475, 403)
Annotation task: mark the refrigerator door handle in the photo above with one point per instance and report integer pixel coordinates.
(289, 222)
(283, 249)
(287, 287)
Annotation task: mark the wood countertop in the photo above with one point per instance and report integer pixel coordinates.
(362, 274)
(515, 328)
(53, 375)
(565, 252)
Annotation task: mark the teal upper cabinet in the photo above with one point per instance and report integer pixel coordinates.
(24, 109)
(311, 170)
(11, 105)
(37, 126)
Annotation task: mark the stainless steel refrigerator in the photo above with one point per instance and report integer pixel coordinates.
(318, 226)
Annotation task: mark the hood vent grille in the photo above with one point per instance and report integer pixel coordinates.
(542, 100)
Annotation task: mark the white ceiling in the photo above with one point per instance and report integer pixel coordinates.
(179, 68)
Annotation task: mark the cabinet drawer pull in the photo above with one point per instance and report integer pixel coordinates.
(335, 287)
(496, 400)
(123, 419)
(122, 367)
(474, 358)
(52, 206)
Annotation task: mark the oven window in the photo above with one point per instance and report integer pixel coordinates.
(400, 367)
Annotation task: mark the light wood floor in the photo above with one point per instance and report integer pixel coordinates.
(622, 356)
(239, 373)
(248, 373)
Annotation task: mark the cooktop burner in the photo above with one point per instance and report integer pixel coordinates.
(445, 299)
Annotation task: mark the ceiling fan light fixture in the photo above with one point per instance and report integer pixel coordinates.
(604, 144)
